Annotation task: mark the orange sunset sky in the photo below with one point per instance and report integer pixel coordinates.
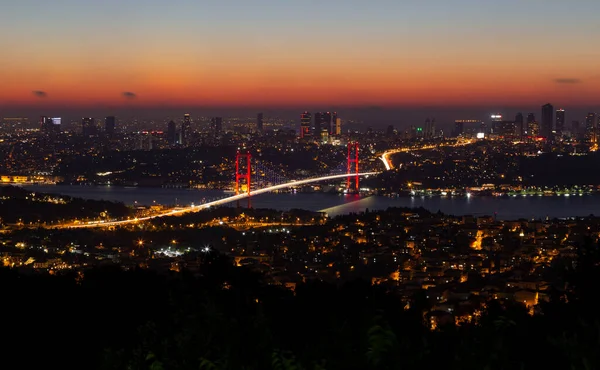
(288, 53)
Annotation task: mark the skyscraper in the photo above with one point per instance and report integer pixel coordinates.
(322, 122)
(88, 126)
(45, 124)
(547, 120)
(217, 125)
(338, 126)
(110, 124)
(519, 123)
(172, 133)
(533, 128)
(259, 122)
(56, 124)
(186, 130)
(334, 119)
(560, 122)
(305, 122)
(591, 128)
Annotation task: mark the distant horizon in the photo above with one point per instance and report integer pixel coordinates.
(376, 117)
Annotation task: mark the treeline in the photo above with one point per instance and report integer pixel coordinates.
(20, 206)
(227, 318)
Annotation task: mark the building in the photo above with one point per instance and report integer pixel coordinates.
(533, 127)
(259, 122)
(591, 128)
(334, 119)
(547, 120)
(520, 124)
(172, 133)
(56, 124)
(45, 124)
(110, 124)
(305, 123)
(186, 130)
(338, 126)
(429, 132)
(322, 122)
(390, 131)
(88, 126)
(560, 122)
(217, 125)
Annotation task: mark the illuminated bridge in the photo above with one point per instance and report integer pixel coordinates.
(265, 180)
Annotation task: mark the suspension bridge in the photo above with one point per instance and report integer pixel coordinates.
(253, 178)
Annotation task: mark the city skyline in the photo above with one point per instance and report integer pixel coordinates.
(238, 55)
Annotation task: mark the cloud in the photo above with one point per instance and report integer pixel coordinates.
(567, 80)
(129, 95)
(40, 94)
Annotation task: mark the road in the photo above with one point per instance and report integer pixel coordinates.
(195, 208)
(389, 165)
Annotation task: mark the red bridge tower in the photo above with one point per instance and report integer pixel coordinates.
(352, 164)
(242, 176)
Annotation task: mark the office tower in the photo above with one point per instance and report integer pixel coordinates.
(172, 133)
(110, 124)
(338, 126)
(459, 127)
(560, 122)
(45, 124)
(428, 127)
(186, 130)
(390, 130)
(305, 122)
(519, 123)
(332, 126)
(547, 120)
(88, 126)
(259, 122)
(322, 122)
(56, 124)
(533, 128)
(217, 125)
(591, 128)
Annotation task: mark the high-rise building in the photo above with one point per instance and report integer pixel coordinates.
(459, 127)
(186, 130)
(533, 128)
(338, 126)
(332, 126)
(322, 122)
(547, 120)
(429, 131)
(591, 128)
(110, 124)
(519, 123)
(305, 123)
(172, 133)
(390, 130)
(45, 124)
(88, 126)
(259, 122)
(56, 124)
(217, 125)
(560, 122)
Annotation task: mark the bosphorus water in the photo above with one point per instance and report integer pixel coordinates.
(506, 208)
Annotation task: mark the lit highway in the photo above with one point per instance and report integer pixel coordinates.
(389, 165)
(195, 208)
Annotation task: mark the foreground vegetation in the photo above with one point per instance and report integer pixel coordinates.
(227, 318)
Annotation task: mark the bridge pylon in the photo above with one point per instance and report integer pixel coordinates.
(352, 165)
(245, 176)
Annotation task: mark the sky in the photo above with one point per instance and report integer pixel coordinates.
(409, 54)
